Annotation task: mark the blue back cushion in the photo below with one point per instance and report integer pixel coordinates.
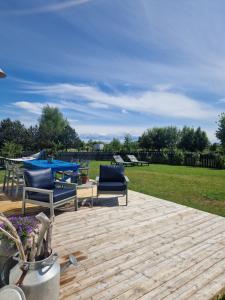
(42, 179)
(111, 174)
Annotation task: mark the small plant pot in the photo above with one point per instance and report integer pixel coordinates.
(84, 179)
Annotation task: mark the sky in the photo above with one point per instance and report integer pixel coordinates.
(114, 66)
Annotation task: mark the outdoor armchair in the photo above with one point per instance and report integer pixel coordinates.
(112, 181)
(41, 189)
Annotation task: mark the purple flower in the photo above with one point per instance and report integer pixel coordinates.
(23, 225)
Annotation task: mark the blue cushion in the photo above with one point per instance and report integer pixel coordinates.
(42, 179)
(112, 186)
(111, 173)
(58, 194)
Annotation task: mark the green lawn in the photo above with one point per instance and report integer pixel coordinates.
(196, 187)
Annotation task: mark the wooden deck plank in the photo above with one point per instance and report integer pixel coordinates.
(151, 249)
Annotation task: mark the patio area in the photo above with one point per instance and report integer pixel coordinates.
(150, 249)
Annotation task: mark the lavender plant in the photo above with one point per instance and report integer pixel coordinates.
(23, 225)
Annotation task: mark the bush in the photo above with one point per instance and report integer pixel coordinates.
(11, 149)
(220, 162)
(176, 157)
(192, 159)
(158, 158)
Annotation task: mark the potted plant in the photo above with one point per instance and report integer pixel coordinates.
(24, 227)
(84, 178)
(37, 271)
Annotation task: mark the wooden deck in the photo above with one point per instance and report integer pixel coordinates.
(152, 249)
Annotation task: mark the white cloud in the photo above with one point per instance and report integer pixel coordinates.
(161, 103)
(58, 6)
(33, 107)
(98, 105)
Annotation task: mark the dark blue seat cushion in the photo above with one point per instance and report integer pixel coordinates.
(111, 174)
(58, 194)
(42, 179)
(112, 186)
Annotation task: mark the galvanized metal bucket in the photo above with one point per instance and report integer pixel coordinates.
(41, 280)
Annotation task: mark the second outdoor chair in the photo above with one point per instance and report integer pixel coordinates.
(112, 181)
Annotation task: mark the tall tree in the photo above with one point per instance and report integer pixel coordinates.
(51, 127)
(220, 133)
(187, 141)
(172, 137)
(114, 145)
(12, 131)
(201, 140)
(69, 138)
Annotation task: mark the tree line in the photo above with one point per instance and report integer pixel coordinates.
(54, 132)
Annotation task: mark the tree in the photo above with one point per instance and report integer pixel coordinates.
(172, 137)
(114, 145)
(12, 131)
(145, 140)
(51, 127)
(187, 141)
(69, 138)
(127, 145)
(11, 149)
(32, 141)
(201, 140)
(220, 133)
(193, 140)
(159, 138)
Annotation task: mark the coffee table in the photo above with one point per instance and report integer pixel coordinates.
(89, 185)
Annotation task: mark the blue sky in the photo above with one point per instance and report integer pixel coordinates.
(114, 66)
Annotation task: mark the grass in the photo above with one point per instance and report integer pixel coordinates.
(199, 188)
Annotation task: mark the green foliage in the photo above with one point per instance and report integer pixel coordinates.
(220, 162)
(187, 139)
(176, 157)
(51, 126)
(12, 131)
(158, 157)
(220, 133)
(159, 138)
(201, 140)
(191, 158)
(11, 149)
(193, 140)
(114, 146)
(53, 133)
(129, 145)
(69, 138)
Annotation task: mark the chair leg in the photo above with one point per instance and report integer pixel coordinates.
(52, 215)
(4, 183)
(17, 188)
(24, 207)
(7, 185)
(75, 203)
(12, 186)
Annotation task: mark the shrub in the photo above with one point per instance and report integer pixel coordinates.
(176, 157)
(192, 159)
(158, 157)
(220, 162)
(11, 149)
